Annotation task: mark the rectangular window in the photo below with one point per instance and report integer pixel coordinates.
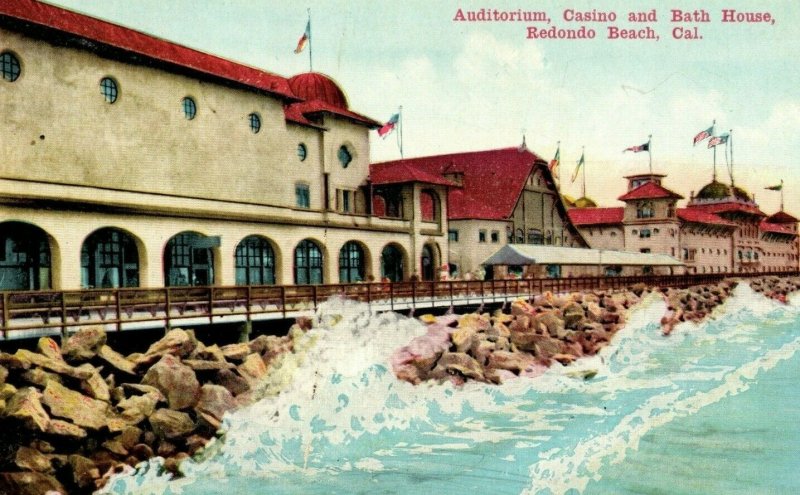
(302, 196)
(495, 236)
(452, 235)
(346, 201)
(644, 250)
(481, 235)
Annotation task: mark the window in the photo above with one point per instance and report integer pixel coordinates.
(307, 263)
(655, 231)
(613, 234)
(347, 201)
(644, 250)
(634, 231)
(345, 157)
(495, 236)
(9, 65)
(509, 235)
(302, 196)
(109, 89)
(255, 262)
(351, 263)
(452, 235)
(520, 236)
(481, 235)
(189, 108)
(535, 236)
(644, 210)
(302, 152)
(553, 271)
(255, 122)
(644, 233)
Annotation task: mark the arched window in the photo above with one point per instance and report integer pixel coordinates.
(428, 263)
(109, 258)
(392, 263)
(24, 257)
(255, 122)
(307, 263)
(188, 260)
(351, 263)
(189, 108)
(535, 236)
(255, 262)
(9, 67)
(109, 89)
(644, 210)
(429, 204)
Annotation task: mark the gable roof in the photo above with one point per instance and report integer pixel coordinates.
(781, 217)
(730, 207)
(650, 190)
(403, 173)
(492, 180)
(775, 228)
(596, 216)
(697, 215)
(34, 14)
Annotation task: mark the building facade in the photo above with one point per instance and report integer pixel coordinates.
(130, 161)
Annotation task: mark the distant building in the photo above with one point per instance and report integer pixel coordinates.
(131, 161)
(720, 230)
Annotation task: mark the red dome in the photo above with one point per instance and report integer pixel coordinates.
(315, 86)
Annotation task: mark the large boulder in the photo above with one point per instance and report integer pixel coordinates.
(516, 362)
(117, 360)
(168, 423)
(40, 377)
(95, 385)
(29, 483)
(553, 323)
(236, 352)
(84, 344)
(54, 365)
(573, 315)
(458, 362)
(175, 380)
(84, 471)
(135, 409)
(177, 342)
(49, 348)
(215, 400)
(80, 409)
(463, 337)
(235, 384)
(26, 405)
(65, 429)
(252, 369)
(29, 459)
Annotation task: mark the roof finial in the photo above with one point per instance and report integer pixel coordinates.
(523, 146)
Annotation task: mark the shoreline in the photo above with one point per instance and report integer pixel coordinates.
(75, 416)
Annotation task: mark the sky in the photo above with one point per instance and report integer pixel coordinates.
(480, 85)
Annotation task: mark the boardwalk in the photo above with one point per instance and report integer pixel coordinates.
(27, 314)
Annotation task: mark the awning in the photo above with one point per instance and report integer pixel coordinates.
(526, 254)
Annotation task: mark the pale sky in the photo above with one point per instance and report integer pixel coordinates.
(471, 86)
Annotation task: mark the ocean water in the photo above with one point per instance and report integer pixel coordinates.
(711, 409)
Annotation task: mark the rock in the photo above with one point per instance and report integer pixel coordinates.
(202, 365)
(215, 400)
(235, 384)
(29, 459)
(26, 406)
(546, 346)
(497, 330)
(84, 344)
(135, 409)
(554, 324)
(115, 447)
(463, 338)
(65, 429)
(7, 391)
(129, 437)
(252, 369)
(29, 483)
(76, 407)
(95, 386)
(195, 442)
(145, 389)
(516, 362)
(84, 471)
(13, 362)
(177, 342)
(54, 365)
(117, 360)
(573, 314)
(3, 374)
(236, 352)
(40, 377)
(461, 363)
(171, 464)
(481, 349)
(166, 448)
(476, 321)
(564, 359)
(175, 380)
(210, 353)
(142, 451)
(49, 348)
(168, 423)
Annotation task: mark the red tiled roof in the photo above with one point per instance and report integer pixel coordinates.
(402, 173)
(135, 42)
(697, 215)
(730, 206)
(649, 190)
(492, 180)
(781, 217)
(596, 216)
(316, 86)
(766, 226)
(306, 108)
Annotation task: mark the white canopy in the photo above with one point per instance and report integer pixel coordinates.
(528, 254)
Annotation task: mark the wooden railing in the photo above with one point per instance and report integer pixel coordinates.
(129, 307)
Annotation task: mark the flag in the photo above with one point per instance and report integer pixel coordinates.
(389, 126)
(775, 188)
(301, 44)
(637, 149)
(715, 140)
(702, 135)
(580, 164)
(555, 162)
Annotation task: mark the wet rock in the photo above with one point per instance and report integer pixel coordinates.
(29, 483)
(168, 423)
(115, 447)
(26, 406)
(516, 362)
(546, 346)
(84, 344)
(117, 360)
(175, 380)
(76, 407)
(142, 451)
(458, 362)
(29, 459)
(215, 400)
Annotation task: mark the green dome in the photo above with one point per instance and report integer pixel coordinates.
(714, 190)
(585, 202)
(569, 201)
(741, 193)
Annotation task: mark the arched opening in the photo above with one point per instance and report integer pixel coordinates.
(307, 263)
(109, 259)
(393, 263)
(255, 262)
(429, 205)
(352, 263)
(429, 261)
(25, 262)
(189, 260)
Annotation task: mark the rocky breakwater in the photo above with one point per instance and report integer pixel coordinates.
(70, 417)
(777, 288)
(521, 342)
(694, 303)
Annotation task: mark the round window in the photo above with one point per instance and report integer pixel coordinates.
(255, 122)
(302, 152)
(9, 66)
(109, 89)
(345, 157)
(189, 108)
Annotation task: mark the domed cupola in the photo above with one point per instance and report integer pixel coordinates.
(741, 194)
(714, 190)
(585, 202)
(312, 86)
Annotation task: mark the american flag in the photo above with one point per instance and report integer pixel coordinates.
(637, 149)
(702, 135)
(715, 140)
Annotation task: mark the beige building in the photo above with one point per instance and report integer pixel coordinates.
(495, 197)
(721, 229)
(128, 160)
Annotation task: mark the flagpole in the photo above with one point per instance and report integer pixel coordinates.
(650, 151)
(310, 43)
(781, 194)
(583, 158)
(730, 138)
(714, 173)
(400, 130)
